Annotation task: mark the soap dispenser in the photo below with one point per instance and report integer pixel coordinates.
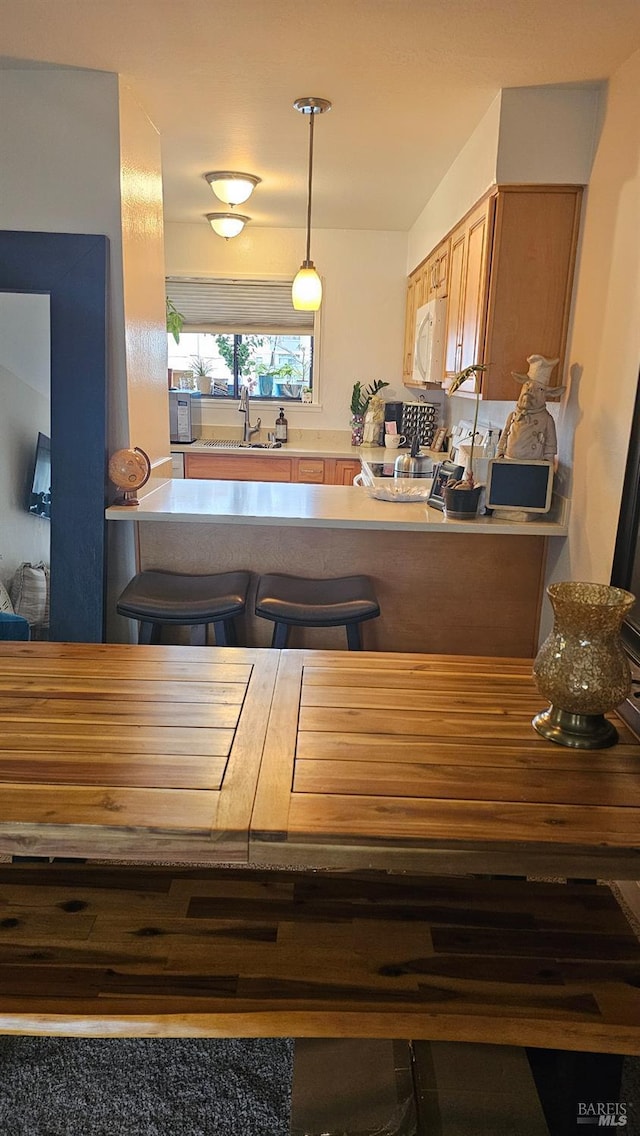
(281, 426)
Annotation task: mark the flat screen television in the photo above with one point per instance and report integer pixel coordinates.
(40, 492)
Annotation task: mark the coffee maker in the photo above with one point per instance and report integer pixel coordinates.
(393, 412)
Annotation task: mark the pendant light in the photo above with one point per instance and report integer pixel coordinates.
(231, 187)
(306, 290)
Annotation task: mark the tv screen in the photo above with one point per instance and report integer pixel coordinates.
(40, 495)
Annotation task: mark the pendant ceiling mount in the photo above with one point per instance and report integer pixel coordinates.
(306, 290)
(312, 105)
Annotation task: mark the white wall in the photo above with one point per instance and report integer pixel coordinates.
(470, 176)
(64, 137)
(529, 135)
(143, 279)
(548, 134)
(604, 348)
(24, 410)
(362, 314)
(59, 155)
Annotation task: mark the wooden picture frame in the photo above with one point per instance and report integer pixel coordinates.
(442, 472)
(439, 439)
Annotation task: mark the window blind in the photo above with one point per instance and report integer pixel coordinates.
(238, 306)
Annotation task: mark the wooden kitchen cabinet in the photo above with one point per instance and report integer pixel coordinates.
(238, 467)
(530, 284)
(409, 329)
(509, 268)
(438, 273)
(309, 471)
(341, 471)
(255, 467)
(467, 289)
(429, 281)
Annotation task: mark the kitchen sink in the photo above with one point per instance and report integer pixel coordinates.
(230, 444)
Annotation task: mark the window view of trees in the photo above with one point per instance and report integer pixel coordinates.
(279, 367)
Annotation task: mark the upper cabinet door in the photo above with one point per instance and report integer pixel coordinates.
(442, 271)
(457, 265)
(531, 282)
(475, 277)
(409, 328)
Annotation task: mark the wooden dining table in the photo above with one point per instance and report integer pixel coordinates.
(246, 841)
(349, 760)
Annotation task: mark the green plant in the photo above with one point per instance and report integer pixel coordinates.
(244, 351)
(200, 366)
(175, 320)
(361, 396)
(468, 481)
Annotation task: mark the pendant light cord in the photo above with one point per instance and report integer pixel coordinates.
(311, 118)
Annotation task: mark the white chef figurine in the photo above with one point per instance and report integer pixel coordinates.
(530, 431)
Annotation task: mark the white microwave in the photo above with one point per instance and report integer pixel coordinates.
(429, 342)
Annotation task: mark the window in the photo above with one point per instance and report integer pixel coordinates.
(242, 333)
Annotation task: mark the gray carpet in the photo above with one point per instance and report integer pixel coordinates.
(140, 1087)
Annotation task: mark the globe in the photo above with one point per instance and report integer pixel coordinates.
(129, 470)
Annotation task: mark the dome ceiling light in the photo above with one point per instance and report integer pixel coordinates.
(231, 187)
(306, 290)
(227, 224)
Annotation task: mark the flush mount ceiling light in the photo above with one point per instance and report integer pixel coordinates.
(306, 290)
(231, 187)
(227, 224)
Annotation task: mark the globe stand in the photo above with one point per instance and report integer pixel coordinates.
(579, 731)
(129, 497)
(129, 470)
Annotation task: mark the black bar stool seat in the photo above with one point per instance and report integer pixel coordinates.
(157, 598)
(294, 601)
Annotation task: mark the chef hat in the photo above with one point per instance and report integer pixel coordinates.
(540, 369)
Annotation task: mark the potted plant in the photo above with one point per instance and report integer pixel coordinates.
(202, 369)
(461, 498)
(360, 399)
(265, 375)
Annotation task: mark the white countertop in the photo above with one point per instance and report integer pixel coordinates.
(318, 506)
(295, 449)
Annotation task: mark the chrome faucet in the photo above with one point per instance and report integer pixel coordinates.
(243, 408)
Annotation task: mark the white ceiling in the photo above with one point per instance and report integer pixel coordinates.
(409, 80)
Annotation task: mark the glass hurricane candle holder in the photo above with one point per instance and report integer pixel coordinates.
(581, 667)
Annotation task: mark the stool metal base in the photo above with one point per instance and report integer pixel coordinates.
(224, 633)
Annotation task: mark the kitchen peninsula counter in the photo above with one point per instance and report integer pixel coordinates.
(312, 506)
(443, 586)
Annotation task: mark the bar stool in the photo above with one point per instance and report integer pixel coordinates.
(293, 601)
(157, 598)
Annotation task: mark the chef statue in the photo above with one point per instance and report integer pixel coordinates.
(530, 431)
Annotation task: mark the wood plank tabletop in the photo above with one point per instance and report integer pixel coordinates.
(109, 951)
(123, 751)
(430, 763)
